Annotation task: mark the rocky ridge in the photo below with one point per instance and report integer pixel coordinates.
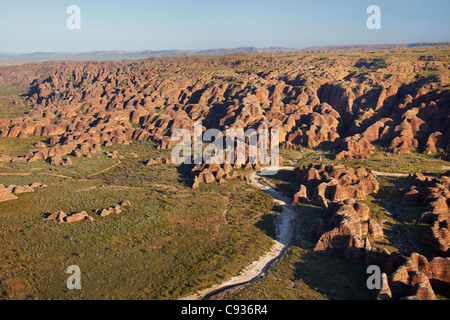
(81, 106)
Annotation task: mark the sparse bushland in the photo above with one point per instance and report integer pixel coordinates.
(381, 160)
(12, 100)
(170, 242)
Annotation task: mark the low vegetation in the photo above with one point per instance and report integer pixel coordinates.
(155, 249)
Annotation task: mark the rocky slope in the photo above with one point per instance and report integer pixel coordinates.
(350, 231)
(349, 101)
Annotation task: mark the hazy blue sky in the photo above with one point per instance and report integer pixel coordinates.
(30, 26)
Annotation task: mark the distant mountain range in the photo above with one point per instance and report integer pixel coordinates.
(130, 55)
(379, 46)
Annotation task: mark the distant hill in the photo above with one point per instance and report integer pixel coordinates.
(130, 55)
(379, 46)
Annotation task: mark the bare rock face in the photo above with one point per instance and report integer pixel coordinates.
(22, 189)
(6, 195)
(61, 217)
(76, 217)
(321, 124)
(58, 215)
(375, 230)
(355, 147)
(420, 273)
(438, 269)
(107, 212)
(372, 133)
(385, 292)
(348, 208)
(209, 173)
(438, 237)
(333, 183)
(103, 213)
(56, 160)
(403, 277)
(433, 141)
(161, 160)
(38, 185)
(349, 223)
(334, 241)
(434, 195)
(10, 192)
(208, 176)
(301, 196)
(408, 278)
(89, 218)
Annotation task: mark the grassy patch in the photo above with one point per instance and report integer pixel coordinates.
(12, 101)
(18, 146)
(245, 208)
(172, 241)
(379, 161)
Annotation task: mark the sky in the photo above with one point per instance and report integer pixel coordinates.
(137, 25)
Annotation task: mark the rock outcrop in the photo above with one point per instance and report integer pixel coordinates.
(81, 106)
(107, 212)
(349, 230)
(320, 184)
(61, 217)
(9, 193)
(434, 196)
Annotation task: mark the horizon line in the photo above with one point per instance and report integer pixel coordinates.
(420, 43)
